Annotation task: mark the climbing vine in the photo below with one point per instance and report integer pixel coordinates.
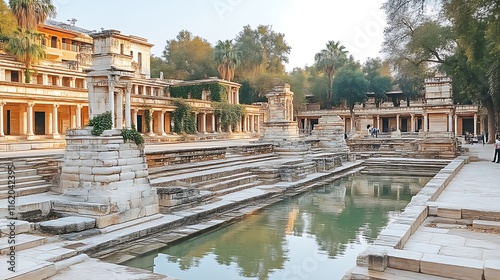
(147, 119)
(132, 135)
(183, 118)
(100, 123)
(230, 114)
(218, 92)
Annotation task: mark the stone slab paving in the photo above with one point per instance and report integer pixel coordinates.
(458, 252)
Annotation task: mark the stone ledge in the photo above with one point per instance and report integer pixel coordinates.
(67, 225)
(482, 224)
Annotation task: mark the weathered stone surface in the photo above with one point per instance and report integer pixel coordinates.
(452, 267)
(67, 225)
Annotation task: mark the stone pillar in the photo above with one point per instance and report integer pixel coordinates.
(2, 103)
(162, 122)
(397, 122)
(59, 81)
(196, 122)
(143, 90)
(245, 123)
(84, 84)
(79, 115)
(72, 82)
(219, 126)
(450, 123)
(128, 123)
(45, 79)
(252, 124)
(152, 114)
(258, 123)
(305, 125)
(456, 125)
(475, 124)
(412, 122)
(136, 89)
(29, 120)
(111, 96)
(237, 97)
(55, 121)
(213, 122)
(204, 123)
(378, 123)
(134, 117)
(119, 109)
(425, 122)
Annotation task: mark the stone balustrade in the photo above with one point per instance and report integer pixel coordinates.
(163, 158)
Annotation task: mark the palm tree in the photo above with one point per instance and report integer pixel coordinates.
(329, 60)
(25, 45)
(227, 56)
(30, 13)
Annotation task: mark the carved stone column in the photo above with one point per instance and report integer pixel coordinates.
(2, 103)
(134, 117)
(119, 109)
(79, 116)
(162, 122)
(204, 123)
(128, 90)
(55, 122)
(111, 96)
(29, 120)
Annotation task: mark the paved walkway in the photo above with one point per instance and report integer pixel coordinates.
(454, 249)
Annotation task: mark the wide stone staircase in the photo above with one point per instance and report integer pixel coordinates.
(27, 176)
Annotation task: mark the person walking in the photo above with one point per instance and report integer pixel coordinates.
(497, 150)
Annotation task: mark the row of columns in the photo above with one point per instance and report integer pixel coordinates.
(29, 120)
(144, 90)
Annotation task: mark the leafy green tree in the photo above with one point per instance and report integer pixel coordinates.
(351, 86)
(189, 57)
(26, 46)
(7, 23)
(380, 83)
(157, 65)
(30, 13)
(299, 85)
(329, 60)
(262, 50)
(228, 58)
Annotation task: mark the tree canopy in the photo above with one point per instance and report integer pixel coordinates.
(7, 22)
(30, 13)
(461, 38)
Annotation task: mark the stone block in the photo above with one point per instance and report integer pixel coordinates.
(127, 176)
(133, 161)
(451, 267)
(404, 260)
(107, 155)
(377, 261)
(110, 162)
(106, 170)
(491, 269)
(141, 173)
(482, 224)
(67, 225)
(107, 178)
(448, 212)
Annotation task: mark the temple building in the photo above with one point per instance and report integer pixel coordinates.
(435, 112)
(56, 99)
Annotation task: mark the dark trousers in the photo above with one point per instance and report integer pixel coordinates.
(497, 155)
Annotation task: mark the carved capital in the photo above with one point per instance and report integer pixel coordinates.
(56, 105)
(31, 104)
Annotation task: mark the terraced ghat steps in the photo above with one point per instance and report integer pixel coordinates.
(404, 166)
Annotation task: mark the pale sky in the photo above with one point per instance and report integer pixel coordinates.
(307, 24)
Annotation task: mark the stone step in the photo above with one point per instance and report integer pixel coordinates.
(224, 178)
(237, 188)
(22, 242)
(67, 225)
(7, 226)
(207, 165)
(37, 203)
(25, 184)
(24, 191)
(362, 273)
(20, 179)
(234, 181)
(4, 175)
(197, 177)
(488, 225)
(27, 268)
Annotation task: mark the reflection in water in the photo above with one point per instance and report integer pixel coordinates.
(316, 235)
